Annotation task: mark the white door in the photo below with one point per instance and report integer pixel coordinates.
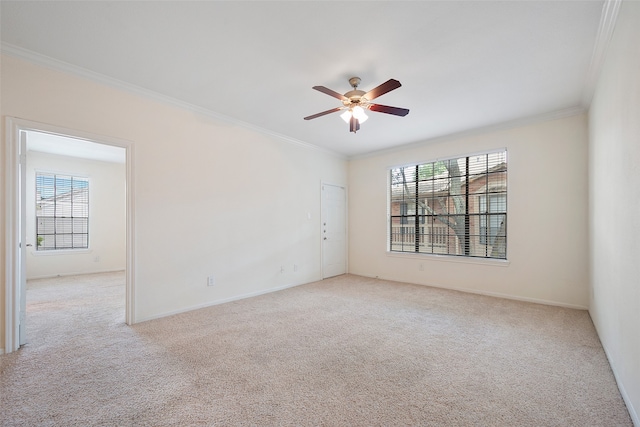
(22, 256)
(334, 242)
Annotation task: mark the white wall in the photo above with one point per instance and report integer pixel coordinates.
(546, 225)
(211, 198)
(106, 217)
(614, 207)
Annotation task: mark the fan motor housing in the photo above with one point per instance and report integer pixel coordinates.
(355, 96)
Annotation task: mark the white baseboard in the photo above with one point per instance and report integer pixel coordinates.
(218, 302)
(635, 418)
(632, 411)
(487, 293)
(51, 276)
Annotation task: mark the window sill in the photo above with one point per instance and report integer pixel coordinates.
(450, 258)
(61, 252)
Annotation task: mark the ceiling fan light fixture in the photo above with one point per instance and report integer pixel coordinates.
(357, 112)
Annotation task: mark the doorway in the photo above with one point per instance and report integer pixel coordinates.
(23, 137)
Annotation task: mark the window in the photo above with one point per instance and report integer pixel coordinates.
(62, 212)
(451, 207)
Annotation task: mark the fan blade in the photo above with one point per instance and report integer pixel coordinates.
(330, 92)
(385, 87)
(354, 125)
(389, 110)
(333, 110)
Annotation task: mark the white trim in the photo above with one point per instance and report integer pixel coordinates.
(50, 252)
(608, 21)
(635, 418)
(218, 302)
(13, 128)
(130, 297)
(460, 259)
(55, 64)
(80, 273)
(59, 171)
(554, 115)
(488, 293)
(12, 239)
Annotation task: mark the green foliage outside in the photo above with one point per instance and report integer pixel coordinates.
(429, 170)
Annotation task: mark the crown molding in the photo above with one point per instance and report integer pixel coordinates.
(57, 65)
(540, 118)
(608, 21)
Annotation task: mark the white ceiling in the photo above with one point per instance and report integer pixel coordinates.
(462, 65)
(63, 146)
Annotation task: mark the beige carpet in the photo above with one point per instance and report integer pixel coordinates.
(347, 351)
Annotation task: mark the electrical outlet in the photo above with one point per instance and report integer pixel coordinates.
(295, 267)
(211, 281)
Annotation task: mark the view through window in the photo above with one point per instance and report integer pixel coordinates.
(62, 212)
(451, 207)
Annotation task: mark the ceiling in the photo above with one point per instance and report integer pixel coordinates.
(63, 146)
(463, 65)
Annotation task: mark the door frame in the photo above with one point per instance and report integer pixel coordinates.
(346, 227)
(15, 219)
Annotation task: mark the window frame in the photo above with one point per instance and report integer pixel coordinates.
(77, 233)
(409, 184)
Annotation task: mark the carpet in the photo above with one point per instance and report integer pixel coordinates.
(346, 351)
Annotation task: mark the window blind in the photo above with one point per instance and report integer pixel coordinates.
(450, 207)
(62, 212)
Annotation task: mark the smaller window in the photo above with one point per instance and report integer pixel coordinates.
(62, 212)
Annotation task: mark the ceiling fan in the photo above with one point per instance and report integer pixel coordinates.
(356, 101)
